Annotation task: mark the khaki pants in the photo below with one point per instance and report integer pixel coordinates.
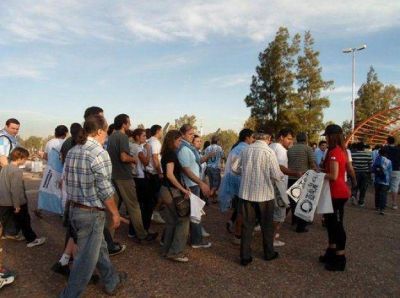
(126, 190)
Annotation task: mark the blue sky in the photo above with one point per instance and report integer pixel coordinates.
(158, 60)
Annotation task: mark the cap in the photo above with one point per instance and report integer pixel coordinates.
(332, 129)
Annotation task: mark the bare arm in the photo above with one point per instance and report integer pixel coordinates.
(125, 157)
(145, 158)
(333, 171)
(3, 161)
(156, 162)
(204, 187)
(171, 177)
(112, 208)
(289, 172)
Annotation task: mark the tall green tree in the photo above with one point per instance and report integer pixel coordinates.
(185, 119)
(374, 96)
(306, 107)
(272, 86)
(227, 138)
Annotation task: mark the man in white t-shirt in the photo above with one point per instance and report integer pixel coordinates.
(284, 142)
(153, 170)
(60, 133)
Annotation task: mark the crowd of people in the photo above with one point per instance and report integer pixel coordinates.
(154, 173)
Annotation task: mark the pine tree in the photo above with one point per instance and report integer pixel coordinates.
(306, 107)
(374, 96)
(272, 86)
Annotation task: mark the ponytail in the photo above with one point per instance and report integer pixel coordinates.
(90, 127)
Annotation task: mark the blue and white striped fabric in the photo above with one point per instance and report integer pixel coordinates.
(7, 143)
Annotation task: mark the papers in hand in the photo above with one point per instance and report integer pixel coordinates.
(196, 208)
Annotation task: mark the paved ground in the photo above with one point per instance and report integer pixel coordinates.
(373, 262)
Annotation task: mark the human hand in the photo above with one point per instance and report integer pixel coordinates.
(115, 220)
(17, 209)
(205, 189)
(187, 193)
(160, 175)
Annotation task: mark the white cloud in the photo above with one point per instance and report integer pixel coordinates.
(227, 81)
(26, 67)
(170, 20)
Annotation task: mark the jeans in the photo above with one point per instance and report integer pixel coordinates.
(381, 191)
(196, 235)
(176, 228)
(362, 186)
(22, 220)
(92, 253)
(249, 212)
(126, 190)
(334, 224)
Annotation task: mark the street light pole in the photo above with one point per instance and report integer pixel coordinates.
(353, 85)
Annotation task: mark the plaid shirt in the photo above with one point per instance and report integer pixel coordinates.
(88, 174)
(258, 165)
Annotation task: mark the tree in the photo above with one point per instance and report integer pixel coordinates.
(185, 119)
(227, 138)
(347, 128)
(272, 86)
(33, 143)
(374, 96)
(306, 107)
(251, 123)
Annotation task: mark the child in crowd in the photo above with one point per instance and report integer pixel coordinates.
(382, 170)
(13, 201)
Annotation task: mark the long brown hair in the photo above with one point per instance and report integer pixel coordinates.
(168, 144)
(90, 126)
(335, 140)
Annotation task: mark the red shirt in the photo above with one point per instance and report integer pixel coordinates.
(339, 188)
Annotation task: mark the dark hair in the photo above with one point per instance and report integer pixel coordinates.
(120, 120)
(60, 131)
(383, 152)
(214, 140)
(92, 124)
(285, 132)
(185, 128)
(336, 139)
(92, 111)
(244, 134)
(206, 144)
(195, 137)
(301, 137)
(148, 133)
(19, 153)
(377, 147)
(390, 140)
(168, 144)
(110, 129)
(154, 129)
(75, 128)
(137, 132)
(13, 121)
(360, 146)
(322, 142)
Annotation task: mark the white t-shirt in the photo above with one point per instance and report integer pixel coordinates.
(155, 148)
(134, 150)
(54, 144)
(281, 156)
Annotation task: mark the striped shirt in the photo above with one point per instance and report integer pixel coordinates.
(258, 165)
(362, 161)
(88, 174)
(300, 158)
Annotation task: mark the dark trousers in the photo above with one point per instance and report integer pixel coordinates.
(146, 202)
(22, 220)
(381, 196)
(301, 224)
(248, 210)
(334, 224)
(362, 186)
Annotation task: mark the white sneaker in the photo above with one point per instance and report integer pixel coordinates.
(36, 242)
(257, 228)
(156, 217)
(6, 280)
(395, 207)
(278, 243)
(202, 245)
(204, 232)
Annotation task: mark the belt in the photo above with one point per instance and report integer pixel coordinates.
(81, 206)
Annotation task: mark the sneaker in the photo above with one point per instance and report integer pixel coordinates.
(236, 240)
(6, 280)
(204, 232)
(395, 207)
(202, 245)
(361, 205)
(353, 201)
(131, 235)
(58, 268)
(278, 243)
(257, 228)
(18, 237)
(245, 262)
(117, 250)
(178, 258)
(273, 257)
(4, 273)
(123, 276)
(151, 237)
(381, 212)
(156, 217)
(36, 242)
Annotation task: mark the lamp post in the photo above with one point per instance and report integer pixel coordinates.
(353, 87)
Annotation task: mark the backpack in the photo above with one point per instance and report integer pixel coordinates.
(378, 169)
